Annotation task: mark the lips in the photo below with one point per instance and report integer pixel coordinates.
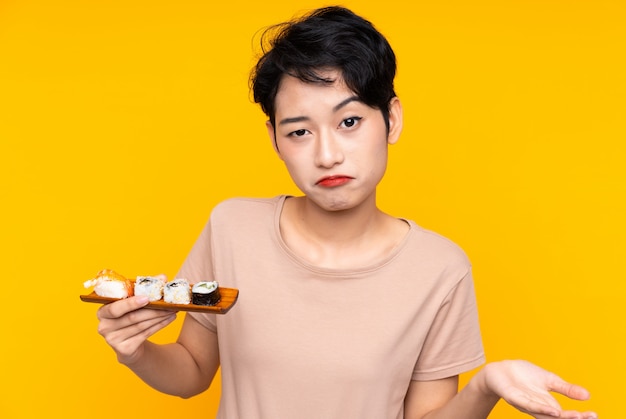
(333, 181)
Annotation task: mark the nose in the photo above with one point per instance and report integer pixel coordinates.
(328, 151)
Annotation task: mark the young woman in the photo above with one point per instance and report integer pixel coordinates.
(306, 339)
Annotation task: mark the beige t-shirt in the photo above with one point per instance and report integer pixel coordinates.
(304, 342)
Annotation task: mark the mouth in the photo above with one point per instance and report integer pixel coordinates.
(333, 181)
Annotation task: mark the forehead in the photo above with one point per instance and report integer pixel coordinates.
(295, 95)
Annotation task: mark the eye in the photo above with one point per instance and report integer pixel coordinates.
(297, 133)
(350, 122)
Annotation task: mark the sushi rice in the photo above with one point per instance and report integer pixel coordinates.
(110, 284)
(177, 291)
(150, 286)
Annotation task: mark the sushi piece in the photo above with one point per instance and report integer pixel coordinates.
(177, 291)
(150, 286)
(205, 293)
(109, 283)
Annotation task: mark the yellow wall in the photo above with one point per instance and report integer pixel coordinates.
(122, 123)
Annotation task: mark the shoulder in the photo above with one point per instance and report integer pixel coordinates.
(244, 207)
(435, 249)
(245, 216)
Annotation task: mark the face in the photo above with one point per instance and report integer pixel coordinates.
(333, 145)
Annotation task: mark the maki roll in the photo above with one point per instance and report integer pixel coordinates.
(205, 293)
(177, 292)
(109, 283)
(151, 286)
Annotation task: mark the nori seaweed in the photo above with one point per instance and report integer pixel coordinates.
(209, 299)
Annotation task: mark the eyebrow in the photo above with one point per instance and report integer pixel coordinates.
(335, 109)
(343, 103)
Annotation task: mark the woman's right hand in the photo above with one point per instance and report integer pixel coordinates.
(126, 325)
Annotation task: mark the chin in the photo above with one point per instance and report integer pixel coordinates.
(338, 204)
(337, 200)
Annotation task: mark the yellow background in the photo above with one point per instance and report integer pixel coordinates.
(122, 123)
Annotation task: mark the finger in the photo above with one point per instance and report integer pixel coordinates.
(126, 340)
(119, 308)
(571, 414)
(541, 411)
(117, 330)
(572, 391)
(537, 406)
(574, 414)
(131, 323)
(128, 349)
(538, 416)
(142, 331)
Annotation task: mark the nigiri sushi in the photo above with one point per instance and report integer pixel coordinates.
(109, 283)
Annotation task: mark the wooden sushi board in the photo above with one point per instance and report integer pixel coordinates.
(229, 298)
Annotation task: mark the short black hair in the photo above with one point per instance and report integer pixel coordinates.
(327, 38)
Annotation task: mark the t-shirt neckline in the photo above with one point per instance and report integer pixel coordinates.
(279, 204)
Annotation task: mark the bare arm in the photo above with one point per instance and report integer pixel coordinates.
(521, 384)
(424, 397)
(184, 368)
(439, 399)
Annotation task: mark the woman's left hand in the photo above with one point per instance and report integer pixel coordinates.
(528, 388)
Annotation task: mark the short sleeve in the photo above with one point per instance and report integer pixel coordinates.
(453, 344)
(198, 266)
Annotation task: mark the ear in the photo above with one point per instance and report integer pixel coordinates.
(395, 121)
(272, 134)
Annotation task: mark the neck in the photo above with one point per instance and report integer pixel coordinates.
(339, 239)
(341, 227)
